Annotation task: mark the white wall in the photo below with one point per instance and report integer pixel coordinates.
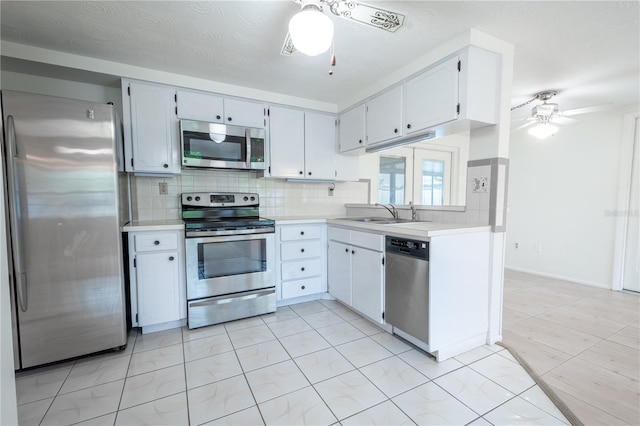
(562, 191)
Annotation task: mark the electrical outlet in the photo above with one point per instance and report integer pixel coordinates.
(330, 192)
(164, 188)
(516, 246)
(480, 184)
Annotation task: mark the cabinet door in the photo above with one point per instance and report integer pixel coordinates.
(384, 116)
(340, 271)
(367, 282)
(158, 281)
(319, 146)
(200, 106)
(286, 131)
(352, 131)
(432, 97)
(245, 113)
(154, 129)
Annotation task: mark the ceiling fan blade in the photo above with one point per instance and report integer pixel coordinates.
(586, 110)
(527, 124)
(367, 14)
(565, 121)
(288, 48)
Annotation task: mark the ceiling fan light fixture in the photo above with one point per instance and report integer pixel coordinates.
(543, 130)
(311, 31)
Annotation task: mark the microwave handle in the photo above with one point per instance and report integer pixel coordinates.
(247, 135)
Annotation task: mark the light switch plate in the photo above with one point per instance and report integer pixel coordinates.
(163, 188)
(480, 184)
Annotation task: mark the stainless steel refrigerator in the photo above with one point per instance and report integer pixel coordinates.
(64, 210)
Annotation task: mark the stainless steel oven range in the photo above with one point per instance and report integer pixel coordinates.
(230, 257)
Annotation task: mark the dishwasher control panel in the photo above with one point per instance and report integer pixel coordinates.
(407, 247)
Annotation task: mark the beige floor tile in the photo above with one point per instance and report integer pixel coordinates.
(511, 316)
(251, 336)
(262, 355)
(331, 304)
(429, 404)
(323, 319)
(366, 326)
(588, 414)
(393, 376)
(308, 308)
(383, 414)
(219, 399)
(289, 327)
(276, 380)
(428, 365)
(322, 365)
(207, 346)
(247, 417)
(628, 336)
(212, 369)
(84, 404)
(537, 397)
(349, 394)
(517, 411)
(153, 385)
(145, 342)
(281, 314)
(243, 323)
(84, 376)
(45, 384)
(575, 318)
(32, 413)
(304, 343)
(169, 411)
(106, 420)
(342, 332)
(392, 343)
(474, 355)
(597, 386)
(504, 372)
(363, 351)
(529, 303)
(155, 359)
(199, 333)
(302, 407)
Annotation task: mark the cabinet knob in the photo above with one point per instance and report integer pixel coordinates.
(218, 117)
(301, 250)
(309, 173)
(395, 130)
(302, 269)
(408, 126)
(229, 119)
(165, 165)
(303, 287)
(353, 252)
(346, 250)
(301, 232)
(360, 141)
(171, 258)
(156, 242)
(301, 172)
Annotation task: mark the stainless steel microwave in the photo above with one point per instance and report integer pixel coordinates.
(221, 146)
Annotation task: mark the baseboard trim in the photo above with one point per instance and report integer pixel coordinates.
(558, 277)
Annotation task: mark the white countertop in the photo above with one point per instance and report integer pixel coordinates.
(153, 225)
(412, 229)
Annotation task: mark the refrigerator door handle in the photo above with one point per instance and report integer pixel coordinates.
(21, 278)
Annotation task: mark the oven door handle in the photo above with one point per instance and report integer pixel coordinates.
(226, 299)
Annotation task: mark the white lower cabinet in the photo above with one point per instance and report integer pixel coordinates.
(356, 270)
(301, 259)
(158, 292)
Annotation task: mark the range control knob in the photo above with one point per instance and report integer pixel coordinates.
(253, 198)
(189, 198)
(246, 198)
(197, 198)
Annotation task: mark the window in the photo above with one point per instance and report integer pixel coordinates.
(432, 186)
(392, 183)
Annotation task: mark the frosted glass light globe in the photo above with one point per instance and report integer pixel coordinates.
(543, 131)
(311, 31)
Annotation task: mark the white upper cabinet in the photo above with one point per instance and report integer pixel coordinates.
(319, 146)
(352, 131)
(200, 106)
(303, 144)
(152, 143)
(286, 139)
(203, 106)
(384, 116)
(245, 113)
(431, 98)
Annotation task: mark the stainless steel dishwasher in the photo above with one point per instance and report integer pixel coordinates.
(407, 288)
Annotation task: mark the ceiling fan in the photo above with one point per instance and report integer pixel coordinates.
(546, 114)
(311, 31)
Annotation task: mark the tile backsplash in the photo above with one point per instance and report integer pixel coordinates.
(277, 197)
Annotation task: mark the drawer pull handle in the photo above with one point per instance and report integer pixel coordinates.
(171, 258)
(303, 287)
(301, 250)
(302, 269)
(353, 252)
(156, 242)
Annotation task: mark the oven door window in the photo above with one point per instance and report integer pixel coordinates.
(215, 147)
(231, 258)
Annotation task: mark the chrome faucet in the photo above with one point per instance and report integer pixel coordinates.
(391, 210)
(414, 213)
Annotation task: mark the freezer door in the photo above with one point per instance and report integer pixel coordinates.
(62, 180)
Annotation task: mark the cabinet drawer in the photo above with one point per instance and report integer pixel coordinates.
(339, 234)
(156, 241)
(301, 269)
(301, 250)
(300, 232)
(301, 287)
(367, 240)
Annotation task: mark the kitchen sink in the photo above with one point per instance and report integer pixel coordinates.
(377, 220)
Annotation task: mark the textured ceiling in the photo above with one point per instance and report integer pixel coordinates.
(588, 51)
